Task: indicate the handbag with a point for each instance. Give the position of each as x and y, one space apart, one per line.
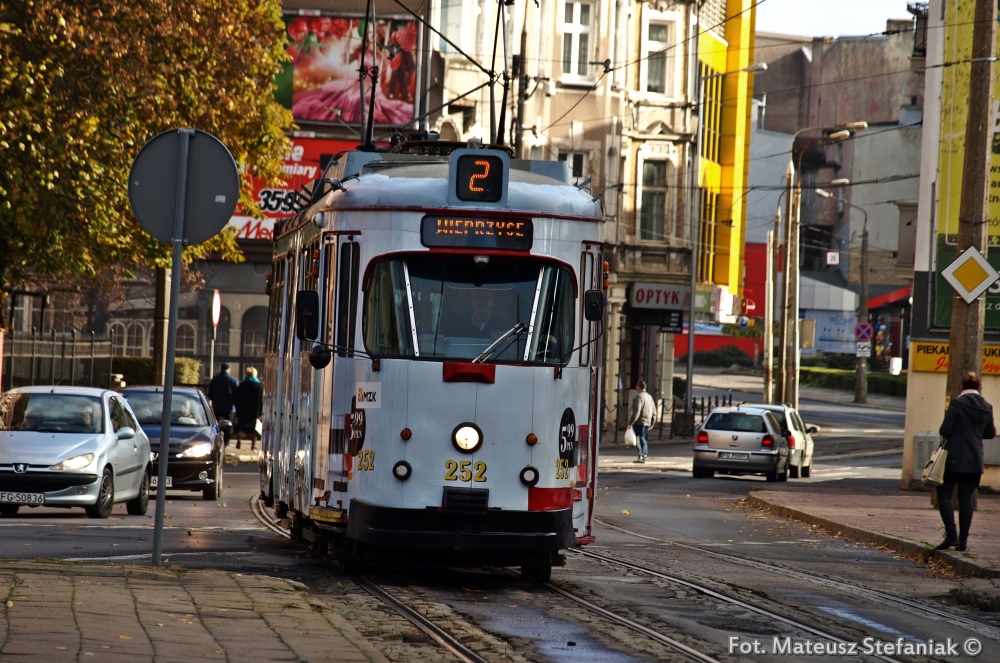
629 437
933 474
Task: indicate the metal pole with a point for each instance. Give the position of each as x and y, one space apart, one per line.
966 337
695 232
92 359
793 300
211 355
769 322
861 372
168 385
786 281
52 357
72 366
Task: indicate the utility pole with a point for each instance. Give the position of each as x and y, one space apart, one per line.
522 87
783 382
769 322
160 325
967 319
861 373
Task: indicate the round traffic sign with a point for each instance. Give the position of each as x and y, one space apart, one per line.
212 185
743 321
216 308
863 332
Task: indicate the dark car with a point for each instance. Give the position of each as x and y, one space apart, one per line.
197 441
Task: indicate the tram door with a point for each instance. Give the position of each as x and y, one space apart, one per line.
589 358
288 377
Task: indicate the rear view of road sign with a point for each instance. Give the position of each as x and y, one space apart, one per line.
970 274
864 349
863 332
183 189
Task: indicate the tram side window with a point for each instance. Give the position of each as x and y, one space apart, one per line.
386 324
552 340
347 297
275 311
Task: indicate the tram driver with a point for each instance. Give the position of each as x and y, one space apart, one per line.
481 318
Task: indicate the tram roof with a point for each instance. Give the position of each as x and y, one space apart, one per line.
426 185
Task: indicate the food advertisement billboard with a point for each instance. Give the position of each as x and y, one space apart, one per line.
321 83
305 162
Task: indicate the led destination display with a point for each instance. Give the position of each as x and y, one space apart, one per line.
476 232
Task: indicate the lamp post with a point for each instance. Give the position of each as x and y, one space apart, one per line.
861 371
696 217
216 314
790 320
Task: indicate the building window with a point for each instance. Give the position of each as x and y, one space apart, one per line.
254 330
712 108
185 339
577 18
117 333
660 58
579 165
134 340
652 215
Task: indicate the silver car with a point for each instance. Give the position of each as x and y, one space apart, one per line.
71 447
742 440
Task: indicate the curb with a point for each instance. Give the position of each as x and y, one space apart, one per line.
923 552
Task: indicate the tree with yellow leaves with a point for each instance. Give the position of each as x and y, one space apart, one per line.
84 84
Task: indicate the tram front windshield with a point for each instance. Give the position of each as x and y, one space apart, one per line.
461 307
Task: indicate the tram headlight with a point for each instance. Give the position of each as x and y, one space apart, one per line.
529 476
467 437
402 470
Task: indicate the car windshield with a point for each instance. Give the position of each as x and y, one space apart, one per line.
736 421
187 409
458 306
51 413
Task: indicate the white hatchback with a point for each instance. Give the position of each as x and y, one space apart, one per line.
71 447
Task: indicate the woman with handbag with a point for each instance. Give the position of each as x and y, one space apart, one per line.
968 421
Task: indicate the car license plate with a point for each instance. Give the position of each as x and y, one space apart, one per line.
22 498
155 481
730 455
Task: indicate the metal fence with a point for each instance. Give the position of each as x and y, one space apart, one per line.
66 358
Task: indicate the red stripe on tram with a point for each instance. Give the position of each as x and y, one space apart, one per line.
549 499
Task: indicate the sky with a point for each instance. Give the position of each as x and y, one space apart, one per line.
827 18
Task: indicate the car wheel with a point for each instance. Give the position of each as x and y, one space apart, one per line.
9 510
784 475
806 471
772 476
138 505
793 471
105 497
214 491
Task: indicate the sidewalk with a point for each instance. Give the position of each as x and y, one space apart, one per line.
877 511
718 378
71 612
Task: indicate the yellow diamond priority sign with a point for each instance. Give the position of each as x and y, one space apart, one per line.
970 274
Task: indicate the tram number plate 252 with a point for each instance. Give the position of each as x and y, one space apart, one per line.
366 460
562 468
464 471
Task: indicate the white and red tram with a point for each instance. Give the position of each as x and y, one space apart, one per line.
432 364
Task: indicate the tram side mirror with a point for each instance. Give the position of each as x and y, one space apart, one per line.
319 357
593 305
307 315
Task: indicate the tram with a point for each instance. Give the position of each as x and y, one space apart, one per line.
432 362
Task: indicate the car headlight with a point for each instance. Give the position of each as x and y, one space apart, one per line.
199 450
75 463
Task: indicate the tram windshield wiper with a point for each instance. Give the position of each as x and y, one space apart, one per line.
515 331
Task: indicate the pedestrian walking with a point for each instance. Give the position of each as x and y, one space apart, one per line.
249 403
641 415
221 391
968 421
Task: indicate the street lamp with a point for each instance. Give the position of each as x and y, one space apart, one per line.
790 320
696 217
861 371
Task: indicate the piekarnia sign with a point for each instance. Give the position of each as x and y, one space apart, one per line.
666 296
933 358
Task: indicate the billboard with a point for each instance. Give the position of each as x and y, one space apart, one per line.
958 23
306 161
321 82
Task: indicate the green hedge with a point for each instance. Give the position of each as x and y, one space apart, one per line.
845 362
832 378
722 358
138 371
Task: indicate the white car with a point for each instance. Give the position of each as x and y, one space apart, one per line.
71 447
801 445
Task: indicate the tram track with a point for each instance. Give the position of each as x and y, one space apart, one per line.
720 596
839 584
